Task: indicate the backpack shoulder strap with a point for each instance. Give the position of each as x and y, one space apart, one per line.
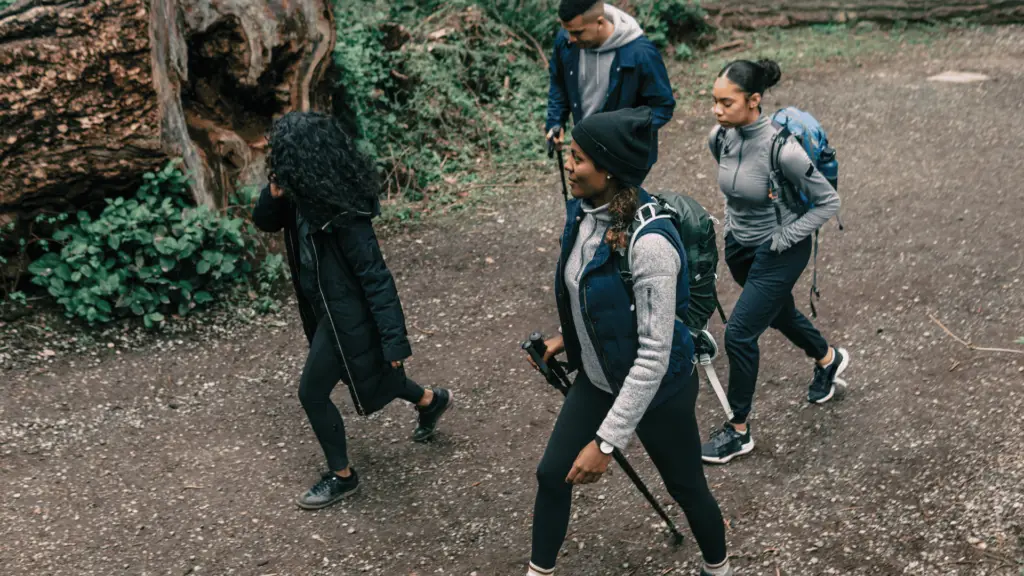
719 142
644 215
778 142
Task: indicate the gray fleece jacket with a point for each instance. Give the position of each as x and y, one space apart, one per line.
743 171
655 267
596 63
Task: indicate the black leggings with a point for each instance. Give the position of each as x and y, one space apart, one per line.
670 436
767 279
324 368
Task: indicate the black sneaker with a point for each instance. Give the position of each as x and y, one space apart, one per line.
430 415
823 385
330 489
726 444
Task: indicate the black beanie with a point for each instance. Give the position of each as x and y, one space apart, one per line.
619 141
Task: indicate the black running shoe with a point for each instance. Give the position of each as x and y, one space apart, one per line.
430 415
330 489
823 385
726 444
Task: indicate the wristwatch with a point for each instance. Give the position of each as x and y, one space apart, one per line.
605 447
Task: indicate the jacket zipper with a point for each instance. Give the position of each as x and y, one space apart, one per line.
327 312
593 338
739 161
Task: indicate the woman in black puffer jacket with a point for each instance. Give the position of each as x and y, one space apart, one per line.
323 194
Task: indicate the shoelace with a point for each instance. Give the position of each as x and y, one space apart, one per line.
324 485
722 436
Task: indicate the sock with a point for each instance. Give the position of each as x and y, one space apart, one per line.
431 406
722 569
535 571
833 350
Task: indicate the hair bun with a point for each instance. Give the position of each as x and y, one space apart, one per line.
772 72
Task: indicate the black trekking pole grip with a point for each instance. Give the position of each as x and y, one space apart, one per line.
551 141
535 347
552 372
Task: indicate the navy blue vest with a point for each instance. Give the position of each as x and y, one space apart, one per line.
608 309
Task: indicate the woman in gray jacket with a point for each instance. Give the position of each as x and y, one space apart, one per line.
767 246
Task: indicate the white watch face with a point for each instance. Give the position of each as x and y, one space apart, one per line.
607 448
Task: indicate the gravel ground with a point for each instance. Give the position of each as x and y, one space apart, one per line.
121 453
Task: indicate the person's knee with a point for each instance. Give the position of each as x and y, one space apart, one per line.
549 477
738 337
309 395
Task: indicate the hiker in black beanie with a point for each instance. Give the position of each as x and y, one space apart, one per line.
635 372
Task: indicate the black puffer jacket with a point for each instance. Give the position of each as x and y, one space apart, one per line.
357 296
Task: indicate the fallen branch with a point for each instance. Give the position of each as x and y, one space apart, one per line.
472 186
727 46
427 332
970 345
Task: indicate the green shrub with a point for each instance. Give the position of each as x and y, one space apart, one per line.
147 256
434 88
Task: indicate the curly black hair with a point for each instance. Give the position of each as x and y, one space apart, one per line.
319 167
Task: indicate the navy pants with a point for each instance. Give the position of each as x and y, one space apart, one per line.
767 279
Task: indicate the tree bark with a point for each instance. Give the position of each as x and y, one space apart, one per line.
93 93
749 14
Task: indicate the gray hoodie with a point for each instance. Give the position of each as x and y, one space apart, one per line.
596 63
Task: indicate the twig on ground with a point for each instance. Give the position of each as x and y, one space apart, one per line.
427 332
493 185
726 46
970 345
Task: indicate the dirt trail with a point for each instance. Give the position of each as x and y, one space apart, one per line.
184 456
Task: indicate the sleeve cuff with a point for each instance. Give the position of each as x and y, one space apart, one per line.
397 352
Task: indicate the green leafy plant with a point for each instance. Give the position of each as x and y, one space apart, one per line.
271 271
674 23
435 89
149 256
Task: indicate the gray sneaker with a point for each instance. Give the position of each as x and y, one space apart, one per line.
330 489
726 444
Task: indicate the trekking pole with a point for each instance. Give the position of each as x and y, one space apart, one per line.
561 164
556 376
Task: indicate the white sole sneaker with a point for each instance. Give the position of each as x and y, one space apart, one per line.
836 380
744 449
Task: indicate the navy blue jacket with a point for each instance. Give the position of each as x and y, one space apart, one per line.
607 307
638 78
354 291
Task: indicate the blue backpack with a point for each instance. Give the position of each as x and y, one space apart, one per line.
795 123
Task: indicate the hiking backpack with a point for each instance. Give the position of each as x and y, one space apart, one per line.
808 132
697 231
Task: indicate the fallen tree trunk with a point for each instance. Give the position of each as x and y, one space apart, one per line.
93 93
750 14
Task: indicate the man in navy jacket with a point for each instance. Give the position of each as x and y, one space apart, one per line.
603 62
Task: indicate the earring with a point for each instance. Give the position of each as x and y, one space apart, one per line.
608 176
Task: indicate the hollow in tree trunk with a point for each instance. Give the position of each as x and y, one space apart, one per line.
93 93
